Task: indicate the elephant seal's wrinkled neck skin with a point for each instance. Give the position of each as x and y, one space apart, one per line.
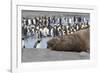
78 41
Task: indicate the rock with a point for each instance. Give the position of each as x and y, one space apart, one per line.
84 54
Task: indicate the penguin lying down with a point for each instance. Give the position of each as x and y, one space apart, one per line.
79 41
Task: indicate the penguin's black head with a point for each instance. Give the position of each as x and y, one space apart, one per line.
38 41
22 38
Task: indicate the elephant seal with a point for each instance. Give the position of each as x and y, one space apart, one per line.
78 41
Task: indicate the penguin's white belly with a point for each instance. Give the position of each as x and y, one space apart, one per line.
38 45
23 44
51 32
47 32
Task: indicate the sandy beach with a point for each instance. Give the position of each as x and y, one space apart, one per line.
41 55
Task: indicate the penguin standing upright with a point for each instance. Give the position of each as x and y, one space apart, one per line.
37 44
23 43
52 34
